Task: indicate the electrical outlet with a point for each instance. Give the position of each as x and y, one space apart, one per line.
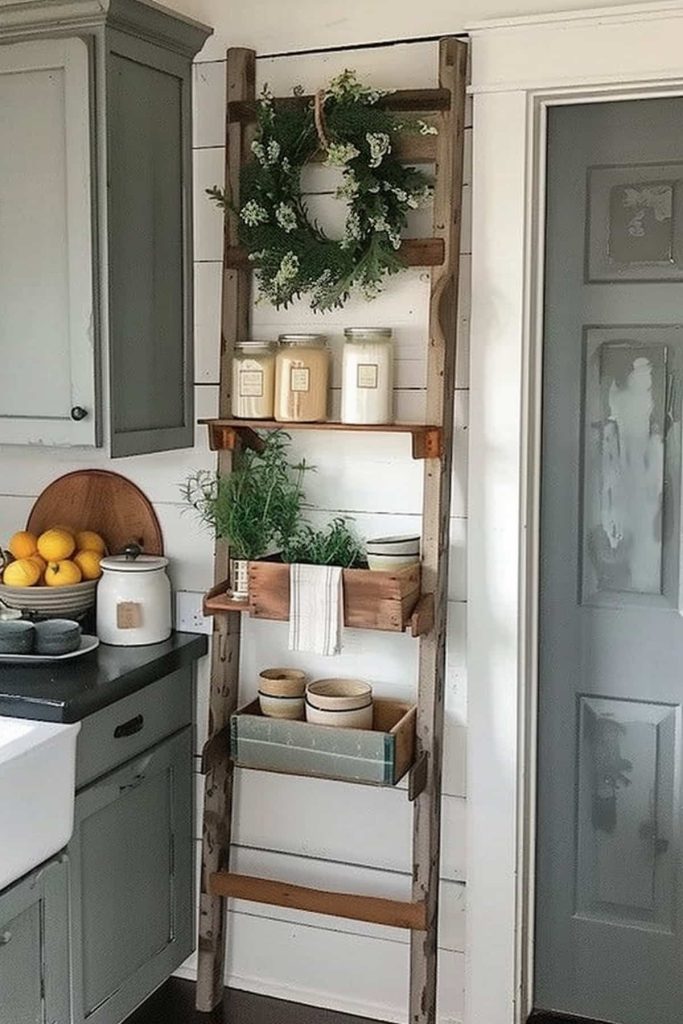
189 617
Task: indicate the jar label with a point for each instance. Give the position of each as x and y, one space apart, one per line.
128 615
299 378
251 383
367 375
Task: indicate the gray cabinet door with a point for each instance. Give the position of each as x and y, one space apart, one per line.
132 881
34 951
47 330
150 247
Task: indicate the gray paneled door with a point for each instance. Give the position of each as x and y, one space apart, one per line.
608 909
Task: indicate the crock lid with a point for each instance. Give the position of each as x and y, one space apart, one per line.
124 563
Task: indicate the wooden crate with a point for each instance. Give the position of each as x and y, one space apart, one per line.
372 600
379 756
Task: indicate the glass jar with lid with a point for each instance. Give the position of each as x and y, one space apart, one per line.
302 371
367 375
253 380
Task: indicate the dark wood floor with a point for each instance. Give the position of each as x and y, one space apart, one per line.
174 1004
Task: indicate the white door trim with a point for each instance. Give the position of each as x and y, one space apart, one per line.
519 68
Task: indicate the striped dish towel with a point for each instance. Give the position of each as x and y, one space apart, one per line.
316 608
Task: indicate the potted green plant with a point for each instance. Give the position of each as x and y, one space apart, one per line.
256 508
334 544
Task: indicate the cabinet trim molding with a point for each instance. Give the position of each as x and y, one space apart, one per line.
23 18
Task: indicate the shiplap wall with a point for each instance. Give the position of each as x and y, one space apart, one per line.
305 830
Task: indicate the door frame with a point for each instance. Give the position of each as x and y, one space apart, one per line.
520 67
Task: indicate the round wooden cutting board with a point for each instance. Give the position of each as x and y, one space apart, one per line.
108 503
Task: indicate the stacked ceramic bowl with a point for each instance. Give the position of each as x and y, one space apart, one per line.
50 639
344 703
281 693
387 553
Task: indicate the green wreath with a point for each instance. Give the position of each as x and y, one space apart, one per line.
291 254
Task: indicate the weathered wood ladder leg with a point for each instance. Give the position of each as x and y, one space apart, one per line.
241 79
435 528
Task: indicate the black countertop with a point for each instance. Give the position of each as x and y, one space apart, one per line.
72 690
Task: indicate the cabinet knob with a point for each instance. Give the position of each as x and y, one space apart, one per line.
78 413
5 938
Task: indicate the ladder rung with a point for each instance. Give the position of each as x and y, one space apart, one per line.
373 909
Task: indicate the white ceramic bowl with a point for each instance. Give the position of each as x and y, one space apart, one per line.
393 545
355 718
339 694
51 602
386 563
281 707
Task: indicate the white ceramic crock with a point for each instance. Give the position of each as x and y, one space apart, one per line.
134 601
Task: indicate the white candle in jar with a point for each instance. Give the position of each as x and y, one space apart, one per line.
367 375
253 380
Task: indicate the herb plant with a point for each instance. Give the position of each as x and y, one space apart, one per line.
334 544
255 508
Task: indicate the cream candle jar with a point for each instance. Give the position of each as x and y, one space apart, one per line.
253 380
302 370
367 375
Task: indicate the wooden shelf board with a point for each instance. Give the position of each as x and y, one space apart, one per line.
415 252
409 147
414 101
373 909
227 433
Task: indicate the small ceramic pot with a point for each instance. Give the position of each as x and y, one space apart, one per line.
344 703
17 637
239 577
57 636
281 693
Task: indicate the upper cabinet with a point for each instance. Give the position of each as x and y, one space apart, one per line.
95 225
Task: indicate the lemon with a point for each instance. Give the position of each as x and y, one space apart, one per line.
40 562
22 573
89 564
23 544
88 540
62 573
56 545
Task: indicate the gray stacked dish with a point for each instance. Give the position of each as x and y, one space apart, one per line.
16 637
50 639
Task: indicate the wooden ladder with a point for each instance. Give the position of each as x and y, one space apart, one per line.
445 105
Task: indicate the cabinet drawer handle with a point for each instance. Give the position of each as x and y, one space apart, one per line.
5 938
129 728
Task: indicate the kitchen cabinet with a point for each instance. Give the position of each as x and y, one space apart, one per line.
95 225
34 948
132 852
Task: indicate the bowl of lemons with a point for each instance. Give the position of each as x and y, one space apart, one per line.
53 575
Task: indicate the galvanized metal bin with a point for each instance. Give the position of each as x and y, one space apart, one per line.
379 756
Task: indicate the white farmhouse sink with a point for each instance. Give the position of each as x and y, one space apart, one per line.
37 792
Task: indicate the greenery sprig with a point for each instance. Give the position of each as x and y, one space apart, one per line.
257 507
291 254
